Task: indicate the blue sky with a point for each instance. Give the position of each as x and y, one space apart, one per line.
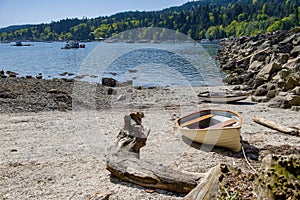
16 12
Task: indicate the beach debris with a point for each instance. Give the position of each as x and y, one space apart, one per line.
275 126
122 160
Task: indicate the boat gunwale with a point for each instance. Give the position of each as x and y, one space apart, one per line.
238 126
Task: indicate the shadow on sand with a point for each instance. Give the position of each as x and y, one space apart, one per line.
251 152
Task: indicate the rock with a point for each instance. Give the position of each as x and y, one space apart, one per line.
284 73
111 91
7 95
271 94
109 82
285 48
270 86
294 100
259 99
259 81
261 91
277 177
280 83
12 74
295 108
256 65
260 55
268 70
288 39
237 87
295 51
296 41
229 65
70 80
39 76
63 74
279 102
283 94
296 90
283 58
291 83
293 64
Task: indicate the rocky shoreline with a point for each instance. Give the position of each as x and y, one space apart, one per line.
267 64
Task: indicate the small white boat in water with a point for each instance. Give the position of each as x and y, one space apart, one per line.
222 97
213 127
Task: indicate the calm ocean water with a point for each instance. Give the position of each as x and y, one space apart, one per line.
146 64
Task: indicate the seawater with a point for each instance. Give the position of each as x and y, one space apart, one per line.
164 64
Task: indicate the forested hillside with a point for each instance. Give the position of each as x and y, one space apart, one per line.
211 19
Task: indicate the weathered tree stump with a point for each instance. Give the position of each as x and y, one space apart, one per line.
123 162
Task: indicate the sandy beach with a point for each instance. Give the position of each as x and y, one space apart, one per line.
60 153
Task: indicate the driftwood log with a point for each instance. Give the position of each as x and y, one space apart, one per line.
276 126
122 160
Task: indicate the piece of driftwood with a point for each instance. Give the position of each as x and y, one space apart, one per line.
207 189
122 160
275 126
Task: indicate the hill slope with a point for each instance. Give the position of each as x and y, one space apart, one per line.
210 19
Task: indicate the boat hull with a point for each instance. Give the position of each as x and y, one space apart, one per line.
219 99
228 137
222 97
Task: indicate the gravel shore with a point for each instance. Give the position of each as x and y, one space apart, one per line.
54 137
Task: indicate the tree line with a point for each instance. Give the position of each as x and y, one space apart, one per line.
211 19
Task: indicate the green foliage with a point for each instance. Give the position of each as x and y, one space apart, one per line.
198 19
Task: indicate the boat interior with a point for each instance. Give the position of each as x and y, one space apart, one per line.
209 120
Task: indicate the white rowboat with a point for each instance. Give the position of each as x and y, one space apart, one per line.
213 127
222 97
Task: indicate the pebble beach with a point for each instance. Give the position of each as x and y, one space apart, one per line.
53 142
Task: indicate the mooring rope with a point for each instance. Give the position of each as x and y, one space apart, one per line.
244 153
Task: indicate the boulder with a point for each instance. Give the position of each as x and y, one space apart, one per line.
39 76
261 91
12 74
268 70
283 58
256 65
285 48
295 108
288 39
296 90
260 99
294 100
296 41
259 55
291 83
293 64
284 73
271 94
270 86
258 81
111 91
109 82
295 51
279 102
